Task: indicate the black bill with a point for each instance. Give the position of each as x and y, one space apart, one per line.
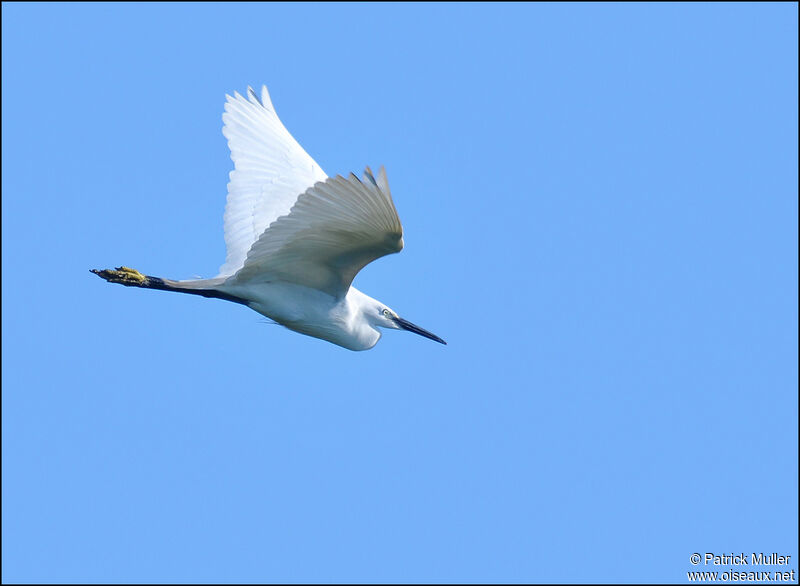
407 325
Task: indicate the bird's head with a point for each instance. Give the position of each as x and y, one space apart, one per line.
382 316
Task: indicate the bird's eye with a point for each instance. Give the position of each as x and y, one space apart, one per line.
386 312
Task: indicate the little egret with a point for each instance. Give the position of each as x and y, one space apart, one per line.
295 237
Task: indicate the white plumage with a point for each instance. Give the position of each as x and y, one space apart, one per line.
271 171
296 238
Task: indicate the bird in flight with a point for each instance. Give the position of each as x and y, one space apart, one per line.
295 237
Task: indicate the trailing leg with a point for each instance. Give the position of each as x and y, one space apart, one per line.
133 278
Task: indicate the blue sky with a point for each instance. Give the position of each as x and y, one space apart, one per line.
600 212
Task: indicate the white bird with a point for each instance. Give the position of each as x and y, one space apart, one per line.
295 237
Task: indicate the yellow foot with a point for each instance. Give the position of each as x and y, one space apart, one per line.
123 276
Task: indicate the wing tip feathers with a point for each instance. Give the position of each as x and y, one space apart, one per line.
265 101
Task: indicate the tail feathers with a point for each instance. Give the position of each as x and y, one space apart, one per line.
133 278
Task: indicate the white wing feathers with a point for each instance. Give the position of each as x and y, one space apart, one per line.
333 230
271 171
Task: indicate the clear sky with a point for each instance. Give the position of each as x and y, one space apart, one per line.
600 212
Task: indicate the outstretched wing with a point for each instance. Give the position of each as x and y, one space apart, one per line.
333 230
271 171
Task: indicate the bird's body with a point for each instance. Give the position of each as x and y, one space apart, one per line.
295 238
315 313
